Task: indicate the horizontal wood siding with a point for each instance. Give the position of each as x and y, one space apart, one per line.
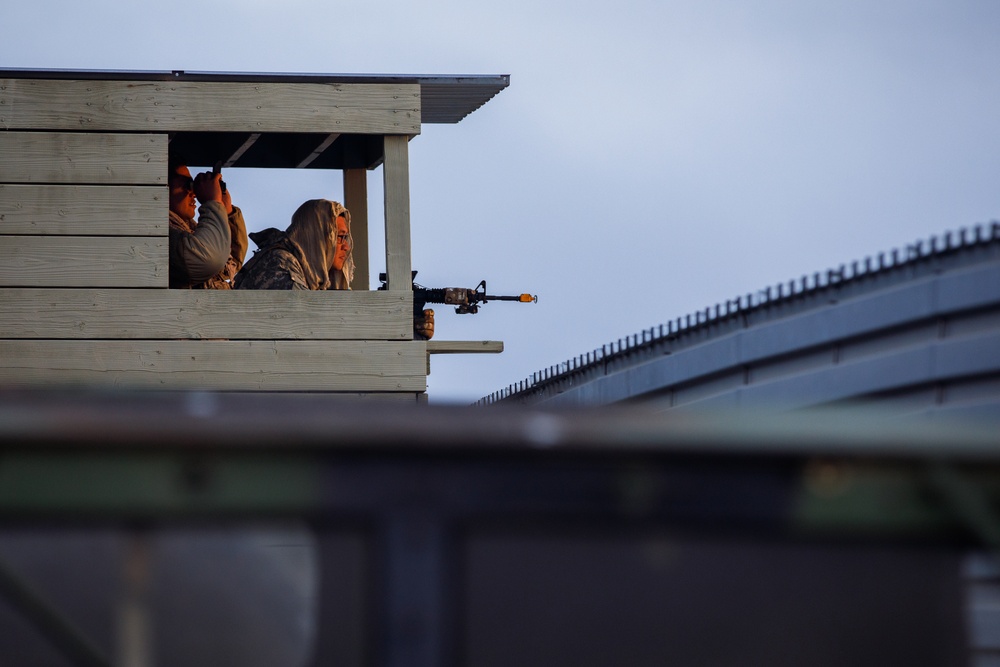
193 106
83 210
95 158
235 314
84 261
351 366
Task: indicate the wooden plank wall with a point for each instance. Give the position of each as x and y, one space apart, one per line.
61 224
213 340
84 254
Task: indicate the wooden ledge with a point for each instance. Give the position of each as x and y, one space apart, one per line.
464 346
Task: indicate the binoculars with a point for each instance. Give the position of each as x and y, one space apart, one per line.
217 169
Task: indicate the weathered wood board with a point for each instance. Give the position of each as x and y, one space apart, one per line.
83 261
203 106
201 314
351 366
83 157
83 210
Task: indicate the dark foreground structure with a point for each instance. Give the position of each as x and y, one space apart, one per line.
912 335
446 536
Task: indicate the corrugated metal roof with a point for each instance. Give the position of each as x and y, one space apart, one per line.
444 98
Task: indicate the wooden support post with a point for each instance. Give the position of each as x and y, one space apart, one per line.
356 201
396 180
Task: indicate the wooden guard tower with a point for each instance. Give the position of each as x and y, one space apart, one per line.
84 298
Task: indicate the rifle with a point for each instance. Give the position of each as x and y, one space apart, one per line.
464 299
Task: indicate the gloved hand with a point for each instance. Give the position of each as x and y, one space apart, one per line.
423 325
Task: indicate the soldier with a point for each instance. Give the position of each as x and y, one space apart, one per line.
314 253
207 253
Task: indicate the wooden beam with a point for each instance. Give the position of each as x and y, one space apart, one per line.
83 157
209 106
351 366
396 190
331 401
83 210
464 346
83 261
356 201
323 145
244 147
193 314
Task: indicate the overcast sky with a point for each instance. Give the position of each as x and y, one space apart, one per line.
649 159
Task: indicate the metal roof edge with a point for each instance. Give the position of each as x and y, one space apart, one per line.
503 80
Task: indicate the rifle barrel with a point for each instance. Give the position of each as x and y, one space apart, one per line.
523 298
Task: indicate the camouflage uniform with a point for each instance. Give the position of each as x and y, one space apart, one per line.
302 256
274 266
